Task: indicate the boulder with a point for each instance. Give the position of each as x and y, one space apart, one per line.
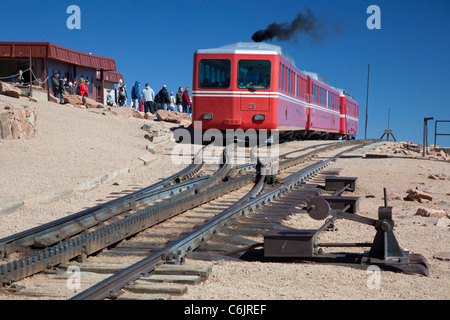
149 116
426 212
91 103
170 116
8 89
126 112
18 123
73 99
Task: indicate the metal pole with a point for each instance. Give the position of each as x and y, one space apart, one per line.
31 77
367 100
389 117
425 131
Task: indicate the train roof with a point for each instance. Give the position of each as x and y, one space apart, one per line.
250 48
344 93
317 77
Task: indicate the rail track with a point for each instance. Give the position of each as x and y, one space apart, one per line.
185 215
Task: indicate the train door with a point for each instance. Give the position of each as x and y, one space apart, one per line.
343 106
309 94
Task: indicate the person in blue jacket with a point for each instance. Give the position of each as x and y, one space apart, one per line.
135 95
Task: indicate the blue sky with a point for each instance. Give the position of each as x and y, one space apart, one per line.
154 42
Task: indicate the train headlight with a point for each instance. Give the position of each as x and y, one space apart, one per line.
207 116
259 117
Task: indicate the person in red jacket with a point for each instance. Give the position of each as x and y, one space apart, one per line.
84 88
186 101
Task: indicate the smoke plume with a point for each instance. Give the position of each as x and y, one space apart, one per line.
304 23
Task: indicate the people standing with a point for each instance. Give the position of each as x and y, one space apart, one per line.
62 89
171 102
123 95
186 101
135 96
164 97
147 97
55 85
179 100
83 87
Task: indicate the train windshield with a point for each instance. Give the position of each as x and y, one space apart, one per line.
214 73
254 74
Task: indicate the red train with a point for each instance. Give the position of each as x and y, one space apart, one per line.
258 86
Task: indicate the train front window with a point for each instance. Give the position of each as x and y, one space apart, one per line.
214 73
254 74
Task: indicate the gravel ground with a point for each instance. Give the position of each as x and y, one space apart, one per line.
74 146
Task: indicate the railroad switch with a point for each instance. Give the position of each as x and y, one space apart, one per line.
302 245
271 166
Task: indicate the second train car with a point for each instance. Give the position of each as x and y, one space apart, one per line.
258 86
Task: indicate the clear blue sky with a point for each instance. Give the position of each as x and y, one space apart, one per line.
154 42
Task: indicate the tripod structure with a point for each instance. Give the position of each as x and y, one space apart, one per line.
388 132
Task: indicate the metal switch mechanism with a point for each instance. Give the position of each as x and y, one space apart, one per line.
384 252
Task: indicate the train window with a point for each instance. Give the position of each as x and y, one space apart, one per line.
214 73
254 74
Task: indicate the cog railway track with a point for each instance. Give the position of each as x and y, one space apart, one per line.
205 212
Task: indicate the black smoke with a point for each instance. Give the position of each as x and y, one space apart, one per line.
304 23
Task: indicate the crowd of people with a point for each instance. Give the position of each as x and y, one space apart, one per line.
60 86
151 102
163 100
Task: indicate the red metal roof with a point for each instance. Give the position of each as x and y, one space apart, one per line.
112 76
55 52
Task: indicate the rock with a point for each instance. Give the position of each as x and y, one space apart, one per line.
170 116
444 256
426 212
443 222
17 123
54 99
8 89
149 116
152 127
184 123
416 195
412 147
126 112
73 99
440 176
91 103
151 148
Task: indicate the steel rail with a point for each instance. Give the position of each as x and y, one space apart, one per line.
97 240
111 286
153 192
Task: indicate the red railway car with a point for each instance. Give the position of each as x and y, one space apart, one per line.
258 86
